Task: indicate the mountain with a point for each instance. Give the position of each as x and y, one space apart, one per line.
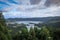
44 19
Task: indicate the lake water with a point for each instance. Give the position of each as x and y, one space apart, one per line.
30 23
26 22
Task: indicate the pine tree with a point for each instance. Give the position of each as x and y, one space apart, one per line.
32 34
4 34
2 20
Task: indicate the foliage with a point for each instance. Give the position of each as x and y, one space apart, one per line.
4 34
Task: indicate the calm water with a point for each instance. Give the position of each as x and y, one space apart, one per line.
26 22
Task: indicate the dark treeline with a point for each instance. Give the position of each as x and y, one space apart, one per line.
43 33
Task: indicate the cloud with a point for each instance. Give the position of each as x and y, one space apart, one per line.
24 10
51 11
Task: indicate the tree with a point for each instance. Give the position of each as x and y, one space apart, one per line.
2 20
37 32
4 34
32 34
22 35
45 33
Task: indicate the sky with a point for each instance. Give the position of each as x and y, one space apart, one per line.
28 9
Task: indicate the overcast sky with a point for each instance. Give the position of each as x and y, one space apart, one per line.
28 8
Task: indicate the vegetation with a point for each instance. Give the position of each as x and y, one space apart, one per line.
4 34
43 33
